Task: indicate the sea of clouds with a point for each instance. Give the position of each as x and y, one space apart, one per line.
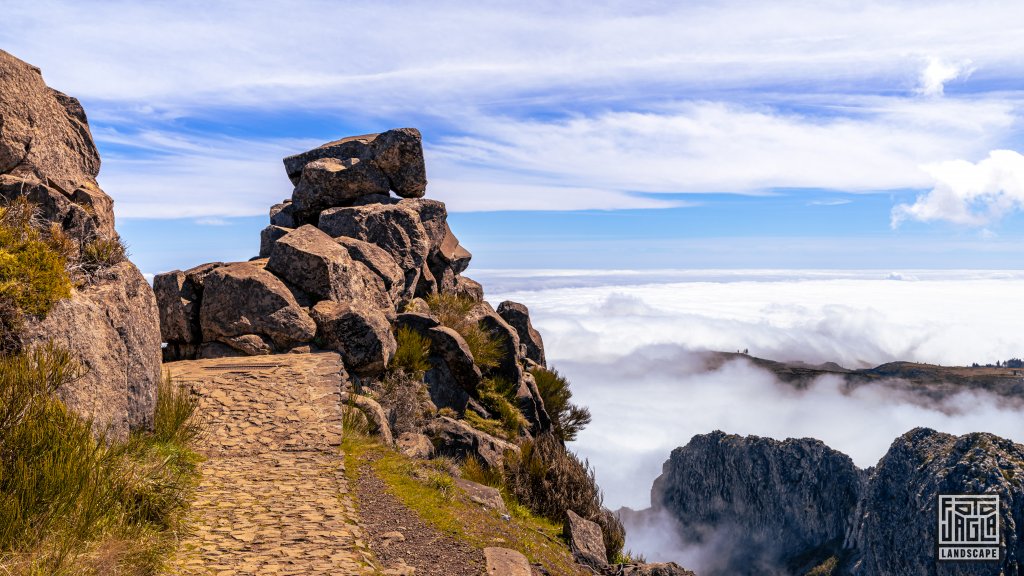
630 342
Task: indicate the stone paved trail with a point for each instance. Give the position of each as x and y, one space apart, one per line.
273 497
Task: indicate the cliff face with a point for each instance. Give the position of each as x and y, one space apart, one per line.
783 507
897 522
760 506
110 321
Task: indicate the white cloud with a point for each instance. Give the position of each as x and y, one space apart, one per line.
938 72
972 194
627 346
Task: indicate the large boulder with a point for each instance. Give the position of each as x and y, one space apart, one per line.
782 506
899 514
585 539
380 263
112 326
315 263
330 182
518 316
43 132
242 298
396 230
360 334
179 296
456 439
397 153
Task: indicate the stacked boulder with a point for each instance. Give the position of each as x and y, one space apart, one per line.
109 322
342 266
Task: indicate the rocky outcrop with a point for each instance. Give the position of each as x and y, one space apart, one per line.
110 321
360 334
897 522
457 439
766 506
518 316
801 505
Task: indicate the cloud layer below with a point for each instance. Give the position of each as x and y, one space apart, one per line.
629 351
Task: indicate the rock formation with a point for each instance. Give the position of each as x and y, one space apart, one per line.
47 155
756 505
342 266
778 504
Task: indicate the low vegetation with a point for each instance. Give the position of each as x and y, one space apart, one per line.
453 310
428 488
76 502
412 353
567 419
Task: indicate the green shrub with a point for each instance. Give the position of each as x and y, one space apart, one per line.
567 419
452 310
498 396
33 273
549 480
102 253
175 418
72 500
412 352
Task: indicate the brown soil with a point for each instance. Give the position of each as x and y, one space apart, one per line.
429 551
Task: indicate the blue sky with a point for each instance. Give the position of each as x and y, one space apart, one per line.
588 135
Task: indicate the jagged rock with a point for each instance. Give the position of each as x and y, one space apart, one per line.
360 334
43 132
269 236
509 367
780 506
330 182
585 539
453 350
397 153
60 208
283 215
469 288
898 516
241 298
113 328
457 439
312 261
396 230
518 316
485 496
531 404
506 562
651 569
374 413
415 445
379 262
178 309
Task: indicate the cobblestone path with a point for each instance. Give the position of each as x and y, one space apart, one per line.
273 497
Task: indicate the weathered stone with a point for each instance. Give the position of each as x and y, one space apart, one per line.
448 345
176 301
418 306
457 439
374 414
485 496
469 288
652 569
330 182
397 153
98 206
250 344
43 131
242 299
175 351
531 404
585 540
113 327
395 229
312 261
415 445
379 262
283 215
506 562
360 334
416 321
56 207
269 236
507 339
518 316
